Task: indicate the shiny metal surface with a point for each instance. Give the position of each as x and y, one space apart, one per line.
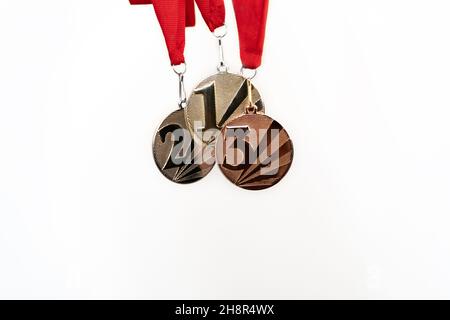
254 151
192 161
217 100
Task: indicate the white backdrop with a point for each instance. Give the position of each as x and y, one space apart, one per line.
362 87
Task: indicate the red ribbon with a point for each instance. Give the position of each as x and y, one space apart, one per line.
213 12
190 13
171 15
251 17
190 10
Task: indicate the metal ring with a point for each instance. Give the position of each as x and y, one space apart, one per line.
179 69
251 73
222 68
220 32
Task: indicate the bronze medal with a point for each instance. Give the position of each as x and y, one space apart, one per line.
217 100
254 151
179 158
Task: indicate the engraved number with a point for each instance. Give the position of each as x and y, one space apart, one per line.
209 98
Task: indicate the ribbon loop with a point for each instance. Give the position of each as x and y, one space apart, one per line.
173 16
251 17
213 12
190 10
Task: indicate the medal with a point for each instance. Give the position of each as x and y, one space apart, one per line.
253 151
176 154
185 161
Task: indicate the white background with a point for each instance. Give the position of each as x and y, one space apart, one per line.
363 88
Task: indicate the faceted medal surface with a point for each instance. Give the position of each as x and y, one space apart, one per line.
254 151
177 155
217 100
